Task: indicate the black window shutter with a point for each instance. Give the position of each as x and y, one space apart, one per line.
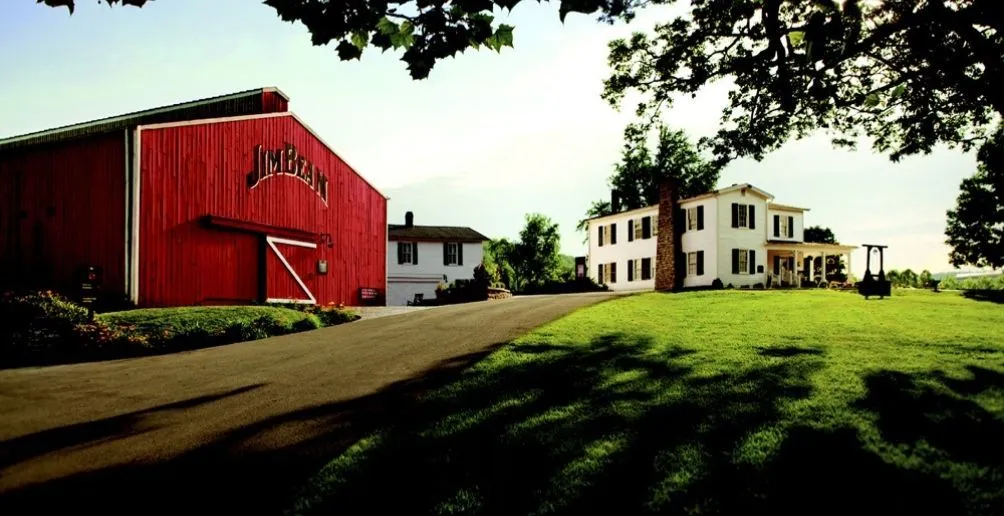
630 230
735 261
791 227
735 215
446 258
700 263
646 268
400 253
630 270
752 261
646 227
613 272
414 253
777 264
700 218
599 274
613 234
751 220
601 236
777 225
460 253
682 259
681 220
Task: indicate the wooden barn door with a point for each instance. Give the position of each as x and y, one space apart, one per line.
289 270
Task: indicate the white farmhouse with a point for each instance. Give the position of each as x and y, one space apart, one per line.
736 234
419 258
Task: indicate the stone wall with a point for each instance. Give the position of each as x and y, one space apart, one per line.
668 246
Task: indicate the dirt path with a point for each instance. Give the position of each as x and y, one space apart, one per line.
232 428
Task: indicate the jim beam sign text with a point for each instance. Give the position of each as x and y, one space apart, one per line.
286 161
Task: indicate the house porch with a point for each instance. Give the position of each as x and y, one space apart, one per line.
789 264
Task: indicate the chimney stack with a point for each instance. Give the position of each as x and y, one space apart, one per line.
668 248
615 201
409 219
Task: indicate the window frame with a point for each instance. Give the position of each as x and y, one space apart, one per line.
453 259
692 264
744 261
692 219
783 230
407 253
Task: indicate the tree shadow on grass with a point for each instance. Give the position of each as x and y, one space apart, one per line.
993 296
618 426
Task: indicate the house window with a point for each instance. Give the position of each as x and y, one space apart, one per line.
407 252
638 270
452 253
692 264
609 272
743 215
692 219
784 225
647 269
638 233
654 223
744 261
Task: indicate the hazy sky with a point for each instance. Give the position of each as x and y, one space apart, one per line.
487 138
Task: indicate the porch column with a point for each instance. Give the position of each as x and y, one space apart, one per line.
848 266
824 268
794 269
812 269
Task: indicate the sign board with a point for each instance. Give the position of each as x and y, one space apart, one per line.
89 287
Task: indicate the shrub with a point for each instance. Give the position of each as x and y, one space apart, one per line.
717 284
565 287
758 286
731 286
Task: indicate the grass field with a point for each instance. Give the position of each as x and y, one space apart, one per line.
773 402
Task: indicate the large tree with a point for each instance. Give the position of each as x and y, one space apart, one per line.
975 228
535 257
638 175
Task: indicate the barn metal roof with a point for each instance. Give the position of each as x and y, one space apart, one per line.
234 104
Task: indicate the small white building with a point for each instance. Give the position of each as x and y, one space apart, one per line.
419 258
736 234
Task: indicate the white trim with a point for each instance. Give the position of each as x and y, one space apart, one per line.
269 115
271 241
136 180
273 89
201 121
134 114
126 228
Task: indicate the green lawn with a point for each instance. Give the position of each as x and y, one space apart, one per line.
762 402
213 319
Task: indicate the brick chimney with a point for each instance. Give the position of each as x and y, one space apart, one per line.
668 246
615 201
409 219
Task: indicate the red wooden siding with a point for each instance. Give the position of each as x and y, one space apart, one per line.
273 102
192 171
62 206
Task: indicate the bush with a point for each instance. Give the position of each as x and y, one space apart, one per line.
717 284
44 327
758 286
322 316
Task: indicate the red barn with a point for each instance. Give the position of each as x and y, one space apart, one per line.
226 200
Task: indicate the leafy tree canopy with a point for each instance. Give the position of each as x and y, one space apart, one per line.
535 256
907 73
975 227
819 234
637 177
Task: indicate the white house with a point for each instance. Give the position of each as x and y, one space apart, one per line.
736 234
419 258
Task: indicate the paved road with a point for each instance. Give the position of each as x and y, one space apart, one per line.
232 428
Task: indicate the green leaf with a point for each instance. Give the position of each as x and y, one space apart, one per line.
899 91
872 100
796 37
503 35
407 27
347 51
402 40
360 39
387 27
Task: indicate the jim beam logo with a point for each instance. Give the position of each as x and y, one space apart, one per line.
286 161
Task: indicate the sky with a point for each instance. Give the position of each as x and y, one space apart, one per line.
486 139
